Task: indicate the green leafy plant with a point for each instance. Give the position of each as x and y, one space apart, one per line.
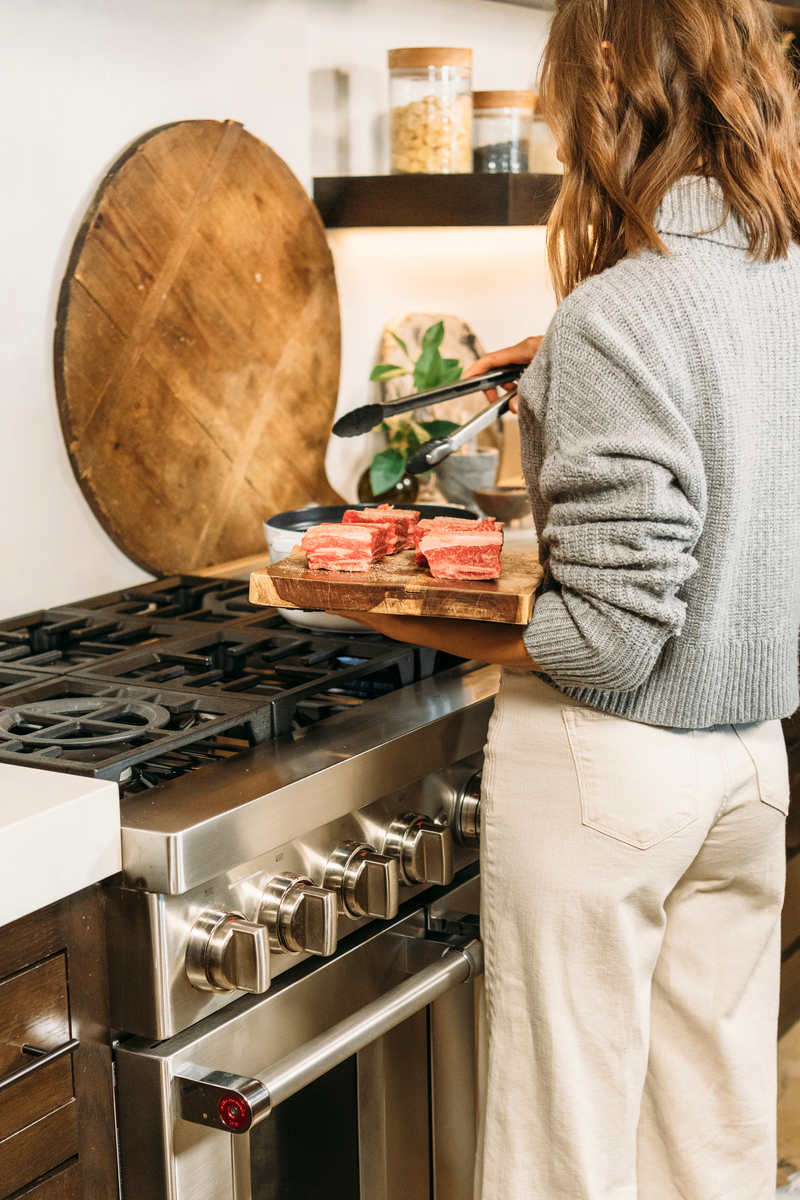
405 434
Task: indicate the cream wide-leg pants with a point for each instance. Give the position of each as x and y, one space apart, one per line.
632 882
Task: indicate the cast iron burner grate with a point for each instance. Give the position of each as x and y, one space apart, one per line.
145 775
11 679
280 669
192 598
90 728
60 641
147 684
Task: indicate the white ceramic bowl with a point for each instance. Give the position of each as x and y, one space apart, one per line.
281 542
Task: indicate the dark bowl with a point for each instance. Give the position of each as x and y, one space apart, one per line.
505 504
300 519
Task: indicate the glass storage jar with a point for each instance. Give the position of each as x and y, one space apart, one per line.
501 132
544 159
431 103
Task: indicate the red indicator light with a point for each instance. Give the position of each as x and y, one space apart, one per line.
234 1113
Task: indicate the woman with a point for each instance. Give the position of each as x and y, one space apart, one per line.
636 783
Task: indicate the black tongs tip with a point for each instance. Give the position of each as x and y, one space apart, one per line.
363 419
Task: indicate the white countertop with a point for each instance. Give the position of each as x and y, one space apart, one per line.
58 833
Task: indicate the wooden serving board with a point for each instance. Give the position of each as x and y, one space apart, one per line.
197 347
397 585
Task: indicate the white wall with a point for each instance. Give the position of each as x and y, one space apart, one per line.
79 79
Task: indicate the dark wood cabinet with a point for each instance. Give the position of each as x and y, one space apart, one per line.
57 1130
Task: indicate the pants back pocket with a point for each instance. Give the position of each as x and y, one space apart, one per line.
638 783
764 742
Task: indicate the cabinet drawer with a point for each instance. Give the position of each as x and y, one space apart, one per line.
34 1011
38 1148
60 1185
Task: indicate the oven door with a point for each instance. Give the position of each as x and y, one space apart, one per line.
353 1078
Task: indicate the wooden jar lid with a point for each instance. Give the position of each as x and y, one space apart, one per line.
526 100
430 56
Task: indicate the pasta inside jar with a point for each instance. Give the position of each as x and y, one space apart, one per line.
431 110
432 136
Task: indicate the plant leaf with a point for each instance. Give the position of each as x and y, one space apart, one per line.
412 441
433 336
387 371
386 470
401 344
439 429
427 369
430 369
451 374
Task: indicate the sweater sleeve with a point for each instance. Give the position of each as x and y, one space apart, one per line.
619 490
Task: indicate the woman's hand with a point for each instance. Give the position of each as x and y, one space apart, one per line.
523 352
485 641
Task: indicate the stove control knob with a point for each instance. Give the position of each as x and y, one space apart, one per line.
467 814
299 917
365 882
424 850
226 953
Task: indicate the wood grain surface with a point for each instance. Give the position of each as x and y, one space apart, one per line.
380 200
197 347
75 926
398 586
34 1010
38 1148
63 1183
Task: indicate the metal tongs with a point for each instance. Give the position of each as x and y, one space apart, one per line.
431 453
361 420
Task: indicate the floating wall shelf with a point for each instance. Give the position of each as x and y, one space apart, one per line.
387 200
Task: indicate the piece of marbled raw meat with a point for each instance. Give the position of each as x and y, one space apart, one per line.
463 553
352 548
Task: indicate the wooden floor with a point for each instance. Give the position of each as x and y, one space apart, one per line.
788 1104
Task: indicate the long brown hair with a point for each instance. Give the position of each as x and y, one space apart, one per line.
700 86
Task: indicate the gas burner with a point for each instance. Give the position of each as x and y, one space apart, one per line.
191 598
91 728
144 776
78 722
281 669
60 641
144 685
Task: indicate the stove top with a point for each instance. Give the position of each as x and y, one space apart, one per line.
147 684
60 641
192 598
94 728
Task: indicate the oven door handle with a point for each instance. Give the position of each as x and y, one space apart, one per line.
236 1103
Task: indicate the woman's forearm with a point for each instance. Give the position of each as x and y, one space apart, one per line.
486 641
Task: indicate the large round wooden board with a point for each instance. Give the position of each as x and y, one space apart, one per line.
197 347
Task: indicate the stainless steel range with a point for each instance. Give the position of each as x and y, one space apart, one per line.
298 905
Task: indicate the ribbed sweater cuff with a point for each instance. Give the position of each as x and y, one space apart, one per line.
591 657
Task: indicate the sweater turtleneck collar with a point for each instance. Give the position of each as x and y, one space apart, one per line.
696 207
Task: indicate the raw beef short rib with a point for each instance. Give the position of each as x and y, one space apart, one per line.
435 524
462 553
344 547
397 522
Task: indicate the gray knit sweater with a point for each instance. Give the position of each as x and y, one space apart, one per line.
661 443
